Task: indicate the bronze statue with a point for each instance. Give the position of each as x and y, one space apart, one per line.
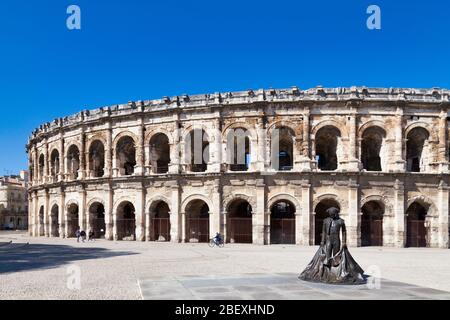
333 263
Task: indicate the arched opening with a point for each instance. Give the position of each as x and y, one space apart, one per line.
126 222
197 151
72 220
41 168
97 220
126 156
320 215
97 159
197 221
417 141
372 224
54 168
416 231
326 148
238 148
371 148
282 223
240 226
159 153
73 161
284 156
41 221
160 222
54 220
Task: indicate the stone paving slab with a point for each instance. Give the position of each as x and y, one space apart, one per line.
275 287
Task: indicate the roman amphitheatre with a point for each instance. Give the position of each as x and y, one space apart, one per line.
131 172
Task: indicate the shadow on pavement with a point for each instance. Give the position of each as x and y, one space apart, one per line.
41 256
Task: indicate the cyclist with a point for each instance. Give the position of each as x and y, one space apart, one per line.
218 238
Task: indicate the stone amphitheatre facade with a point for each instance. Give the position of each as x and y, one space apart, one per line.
127 171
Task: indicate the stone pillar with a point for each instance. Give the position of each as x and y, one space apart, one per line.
82 210
267 227
399 162
61 215
30 215
140 215
34 225
46 164
140 151
183 227
305 163
214 219
261 163
442 156
148 226
303 222
109 232
353 162
177 219
108 152
399 214
215 147
223 226
36 166
61 174
443 222
353 218
260 225
82 170
46 214
175 150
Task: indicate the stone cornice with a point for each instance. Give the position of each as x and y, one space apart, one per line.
349 96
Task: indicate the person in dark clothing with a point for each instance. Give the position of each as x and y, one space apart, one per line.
78 234
91 235
83 235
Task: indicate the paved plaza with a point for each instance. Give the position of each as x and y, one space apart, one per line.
39 268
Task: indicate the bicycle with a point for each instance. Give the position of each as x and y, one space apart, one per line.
213 243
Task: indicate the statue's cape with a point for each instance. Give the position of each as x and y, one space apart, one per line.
343 269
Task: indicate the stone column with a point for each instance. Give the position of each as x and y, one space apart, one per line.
399 162
354 218
140 214
61 215
399 214
61 174
223 226
46 164
109 232
261 163
260 225
214 220
175 150
353 162
108 152
46 214
30 215
443 222
303 222
148 226
183 227
36 166
442 157
82 170
305 163
215 146
82 210
140 150
34 225
177 219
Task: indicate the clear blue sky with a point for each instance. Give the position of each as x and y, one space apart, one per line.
133 50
